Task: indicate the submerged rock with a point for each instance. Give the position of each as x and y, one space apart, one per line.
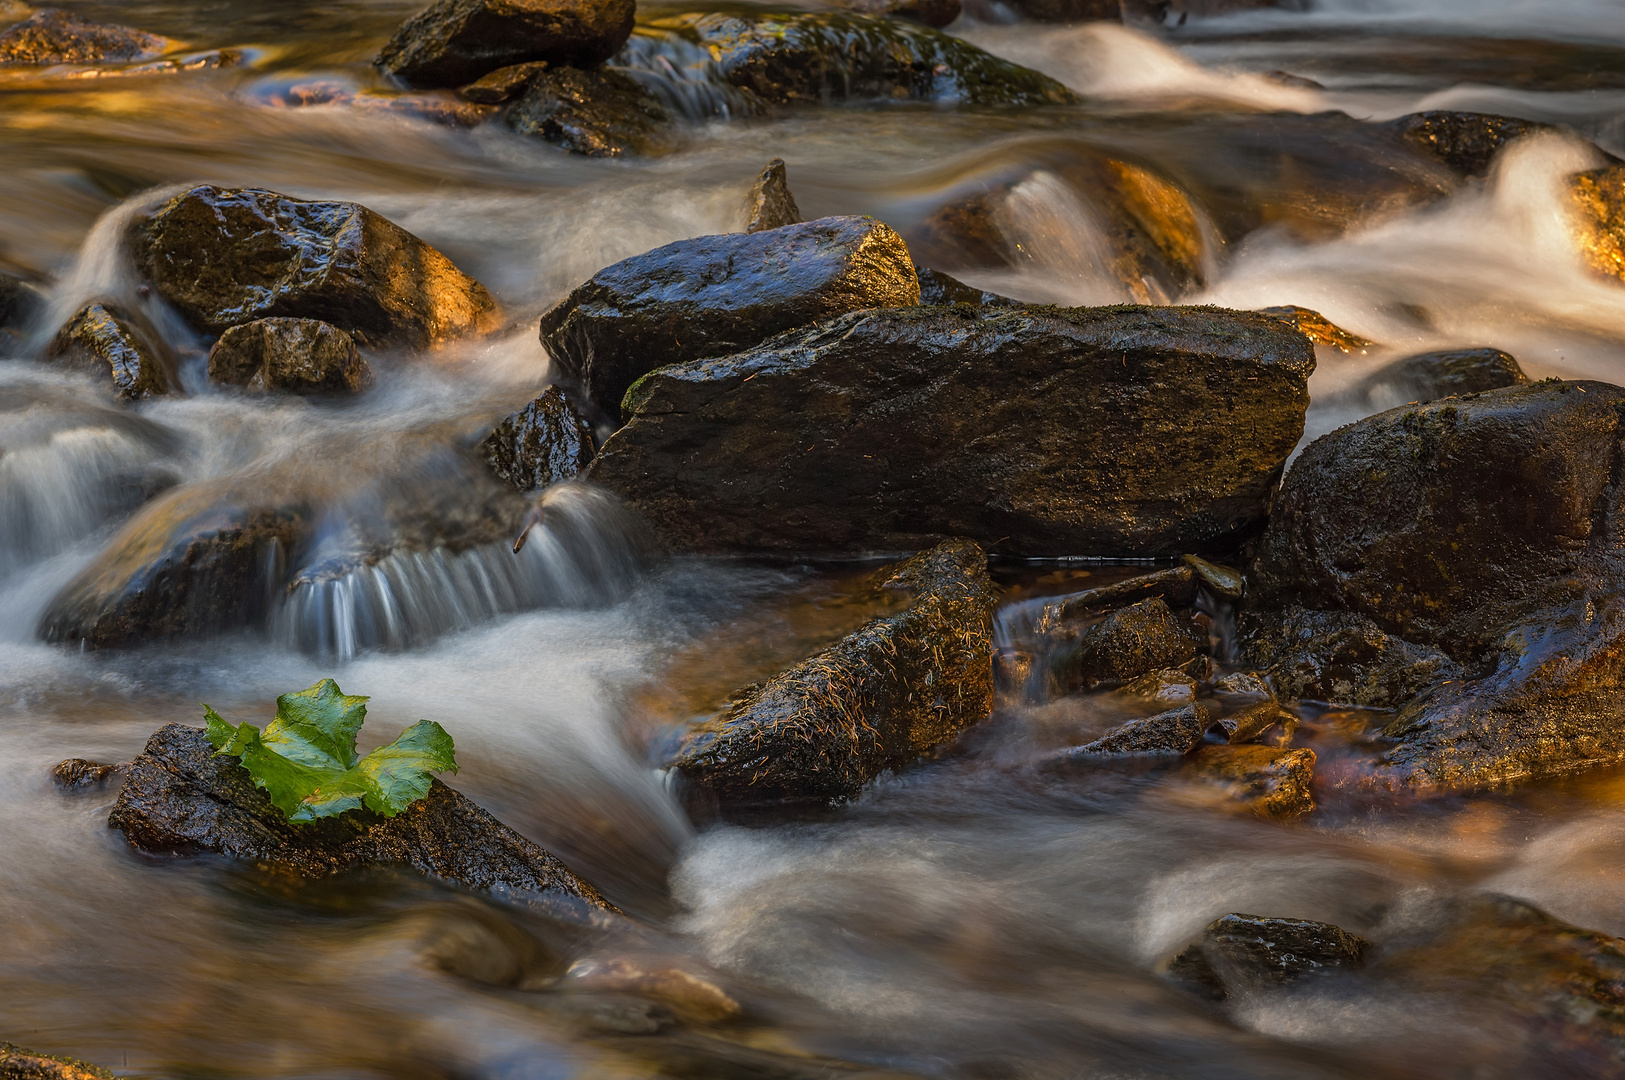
1165 686
812 58
1251 721
937 13
546 442
1485 529
601 112
1597 201
1271 781
1449 373
108 339
20 304
1240 953
1176 731
1126 644
715 295
302 356
1049 431
224 256
878 698
79 774
53 36
188 564
1055 11
19 1064
453 42
180 797
1464 142
771 206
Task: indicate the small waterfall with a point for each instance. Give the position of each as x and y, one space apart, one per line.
67 467
588 552
1063 242
682 73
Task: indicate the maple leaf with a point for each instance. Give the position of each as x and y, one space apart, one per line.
305 759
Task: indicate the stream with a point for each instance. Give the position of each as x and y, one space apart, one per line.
973 917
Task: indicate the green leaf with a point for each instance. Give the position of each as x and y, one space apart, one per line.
305 759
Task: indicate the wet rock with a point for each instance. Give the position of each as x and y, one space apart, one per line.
937 13
302 356
181 797
1175 586
690 997
1249 722
1598 204
224 256
1271 781
1485 528
1450 373
19 1064
503 84
1152 230
1175 12
188 564
52 36
546 442
601 112
1176 731
78 774
1464 142
1049 431
1167 687
106 338
771 206
20 304
1128 643
453 42
937 288
1242 953
1317 328
715 295
1244 686
812 58
1224 581
1343 658
875 700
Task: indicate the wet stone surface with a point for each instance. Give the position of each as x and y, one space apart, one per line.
546 442
453 42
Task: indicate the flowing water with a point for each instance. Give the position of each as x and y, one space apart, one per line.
975 916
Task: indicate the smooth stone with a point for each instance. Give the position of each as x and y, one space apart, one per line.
1249 722
503 84
602 112
875 700
181 797
771 206
1167 687
301 356
1126 644
716 295
224 256
1049 431
1176 731
109 339
1225 581
454 42
1447 373
938 288
546 442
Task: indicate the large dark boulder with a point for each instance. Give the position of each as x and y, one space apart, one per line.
117 342
301 356
602 112
224 256
1484 528
815 57
546 442
1464 142
715 295
453 42
53 36
1049 431
875 700
180 797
